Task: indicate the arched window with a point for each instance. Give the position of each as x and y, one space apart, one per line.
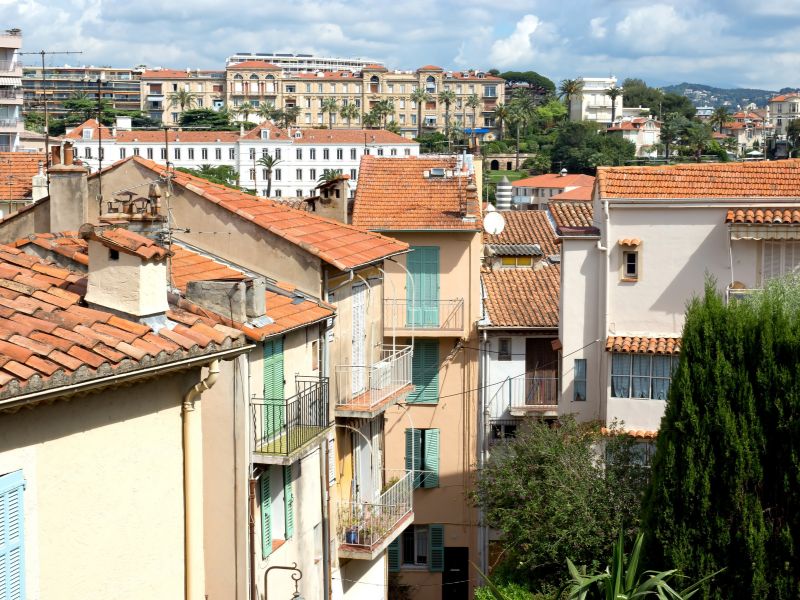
254 84
430 85
238 83
495 165
374 84
270 84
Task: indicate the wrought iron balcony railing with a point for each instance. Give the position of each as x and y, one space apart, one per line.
365 387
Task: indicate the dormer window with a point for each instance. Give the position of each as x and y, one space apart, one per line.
87 133
265 134
113 254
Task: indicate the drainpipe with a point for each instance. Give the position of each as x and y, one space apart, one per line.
324 500
603 326
193 486
483 530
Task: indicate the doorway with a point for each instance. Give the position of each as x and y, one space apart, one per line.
455 579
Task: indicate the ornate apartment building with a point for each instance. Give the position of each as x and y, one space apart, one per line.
10 90
161 86
259 82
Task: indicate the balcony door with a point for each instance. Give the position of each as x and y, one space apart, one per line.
359 354
422 286
274 403
541 371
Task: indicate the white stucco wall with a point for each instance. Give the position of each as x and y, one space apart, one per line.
497 393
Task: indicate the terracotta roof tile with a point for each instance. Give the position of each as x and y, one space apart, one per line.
764 216
583 192
573 217
254 64
759 179
555 180
525 227
644 345
351 136
127 241
522 297
17 170
394 194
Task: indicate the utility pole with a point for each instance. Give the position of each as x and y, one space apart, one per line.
44 53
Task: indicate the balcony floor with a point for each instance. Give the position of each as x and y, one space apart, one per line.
276 451
357 409
539 410
372 552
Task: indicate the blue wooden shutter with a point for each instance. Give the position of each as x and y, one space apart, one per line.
288 500
394 556
414 448
266 515
12 537
425 372
431 459
436 540
422 286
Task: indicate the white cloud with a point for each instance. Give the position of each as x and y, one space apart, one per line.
518 47
598 27
661 28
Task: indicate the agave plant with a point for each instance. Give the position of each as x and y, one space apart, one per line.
622 580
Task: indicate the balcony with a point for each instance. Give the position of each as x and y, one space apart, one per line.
524 396
11 94
366 391
366 528
737 294
11 67
429 318
283 430
11 124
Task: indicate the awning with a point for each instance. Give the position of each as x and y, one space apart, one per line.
764 232
16 81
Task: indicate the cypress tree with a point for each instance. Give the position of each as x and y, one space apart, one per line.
726 474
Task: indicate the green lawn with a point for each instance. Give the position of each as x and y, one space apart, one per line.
494 176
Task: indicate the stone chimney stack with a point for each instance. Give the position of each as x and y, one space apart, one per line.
39 184
69 192
333 200
241 301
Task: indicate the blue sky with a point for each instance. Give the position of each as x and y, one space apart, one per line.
728 43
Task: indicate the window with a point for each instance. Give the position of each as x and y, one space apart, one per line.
630 265
163 154
407 151
252 174
264 151
277 174
425 372
393 152
504 349
102 153
299 154
277 506
204 153
312 174
150 153
780 258
579 380
87 133
366 151
326 154
490 91
299 175
643 376
312 154
278 153
339 153
278 193
380 151
298 192
264 174
136 151
291 89
122 153
352 153
87 152
516 261
353 174
418 546
252 153
422 456
231 153
12 529
191 153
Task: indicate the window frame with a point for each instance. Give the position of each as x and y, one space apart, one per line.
580 379
504 354
629 371
630 258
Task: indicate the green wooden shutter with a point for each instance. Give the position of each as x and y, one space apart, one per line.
425 372
436 540
414 448
431 460
12 537
266 511
394 556
422 286
274 405
288 500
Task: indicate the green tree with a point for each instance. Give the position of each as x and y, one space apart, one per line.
724 489
420 96
447 97
719 117
540 84
349 112
222 174
793 133
265 111
614 92
329 175
289 116
501 114
383 109
473 102
269 163
182 99
567 89
579 148
244 110
433 142
520 111
551 113
672 129
330 106
679 104
551 497
205 117
697 139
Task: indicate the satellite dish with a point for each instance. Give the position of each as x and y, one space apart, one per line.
494 223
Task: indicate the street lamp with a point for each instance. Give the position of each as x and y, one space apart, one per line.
296 577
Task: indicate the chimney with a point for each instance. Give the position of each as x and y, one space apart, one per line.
333 199
39 184
471 204
127 272
241 301
69 192
503 194
123 124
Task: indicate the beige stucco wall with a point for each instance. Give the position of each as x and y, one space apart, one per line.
32 220
104 492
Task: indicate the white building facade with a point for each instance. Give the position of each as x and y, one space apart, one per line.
11 123
592 103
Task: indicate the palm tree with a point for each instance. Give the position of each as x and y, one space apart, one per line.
473 102
269 162
329 175
266 111
696 138
614 92
447 97
719 117
289 115
370 120
382 109
501 113
567 89
245 109
348 112
672 129
183 99
330 106
420 96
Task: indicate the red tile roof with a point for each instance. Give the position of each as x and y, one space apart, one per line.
351 136
525 227
77 133
48 340
394 195
275 132
784 97
555 180
430 68
146 137
573 217
759 216
760 179
522 297
472 76
254 65
374 67
644 345
177 74
129 242
640 434
65 243
583 192
343 246
17 170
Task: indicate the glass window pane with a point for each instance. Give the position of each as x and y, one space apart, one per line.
408 546
422 545
660 389
580 391
640 387
620 386
641 365
662 366
620 364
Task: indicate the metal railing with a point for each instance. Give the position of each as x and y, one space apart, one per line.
366 524
10 65
15 93
402 313
521 392
367 386
10 122
733 294
281 426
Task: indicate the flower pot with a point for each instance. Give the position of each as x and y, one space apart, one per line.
351 535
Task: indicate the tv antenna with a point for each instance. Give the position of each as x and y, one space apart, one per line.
44 53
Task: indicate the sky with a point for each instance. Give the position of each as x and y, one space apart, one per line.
727 43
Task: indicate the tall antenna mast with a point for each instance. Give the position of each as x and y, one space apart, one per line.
44 53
